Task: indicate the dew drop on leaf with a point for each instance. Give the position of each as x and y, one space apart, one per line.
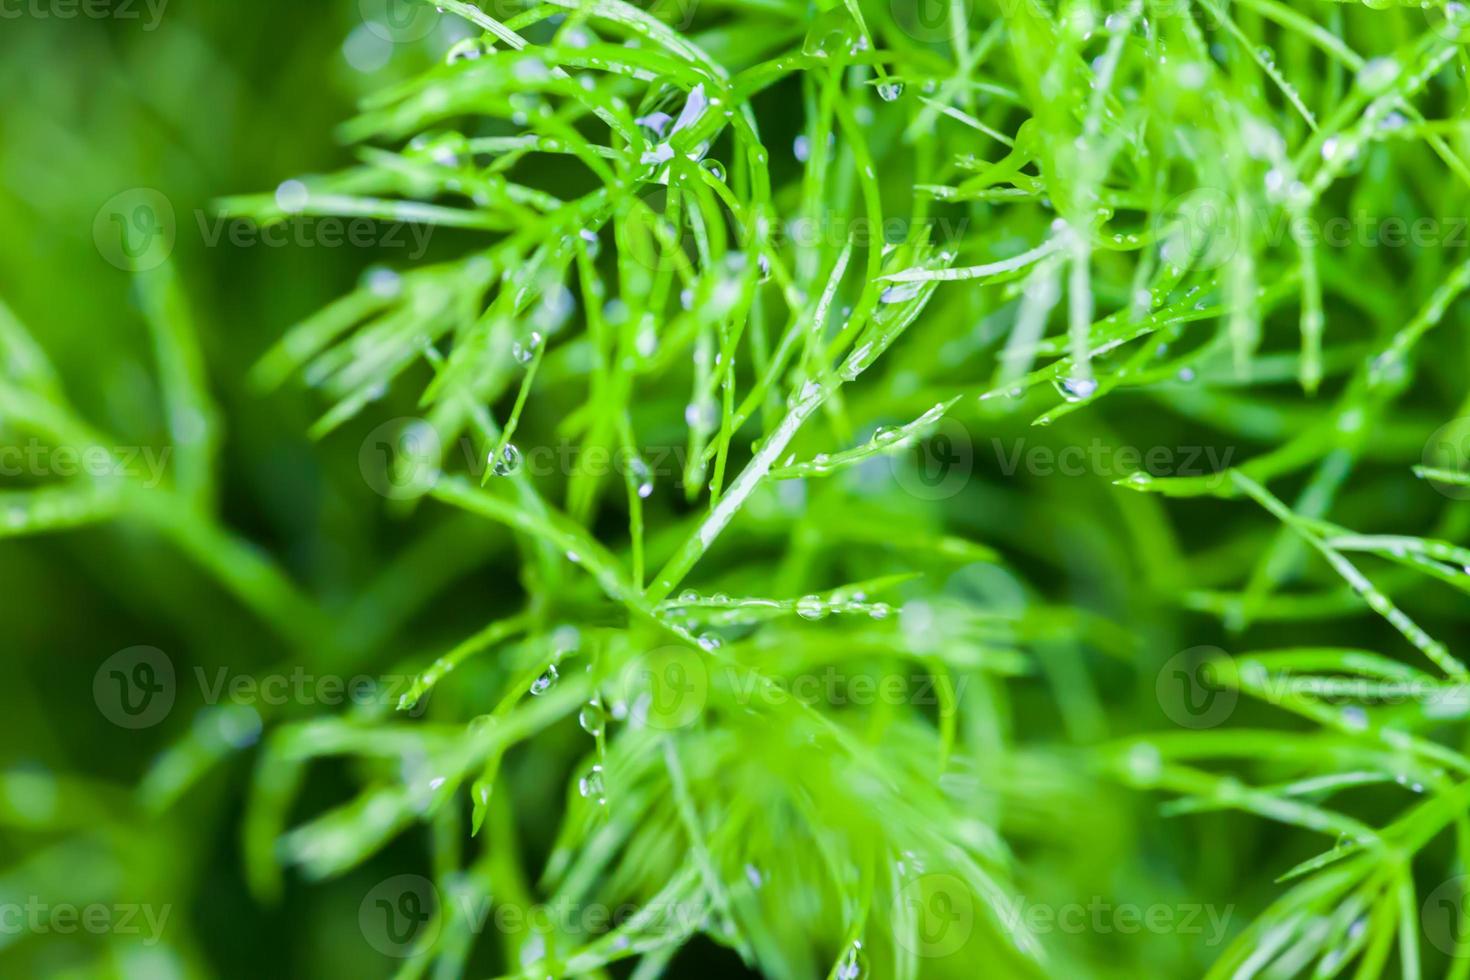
811 607
507 462
545 682
592 718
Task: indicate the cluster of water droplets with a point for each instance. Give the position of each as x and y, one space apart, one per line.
853 964
814 607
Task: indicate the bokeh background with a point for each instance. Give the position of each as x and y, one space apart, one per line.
192 101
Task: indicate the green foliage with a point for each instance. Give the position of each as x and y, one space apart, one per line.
770 285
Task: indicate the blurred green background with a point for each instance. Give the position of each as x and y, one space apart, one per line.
194 101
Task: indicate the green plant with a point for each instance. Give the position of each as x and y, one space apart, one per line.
835 689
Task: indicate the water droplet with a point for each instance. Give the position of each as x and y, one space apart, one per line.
1075 389
646 341
1393 121
544 683
382 281
715 168
831 32
530 69
851 967
709 641
469 49
507 462
291 196
592 718
555 307
811 607
801 148
642 477
1144 763
701 415
899 292
594 244
1377 74
1335 148
890 91
879 610
524 352
591 786
688 596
